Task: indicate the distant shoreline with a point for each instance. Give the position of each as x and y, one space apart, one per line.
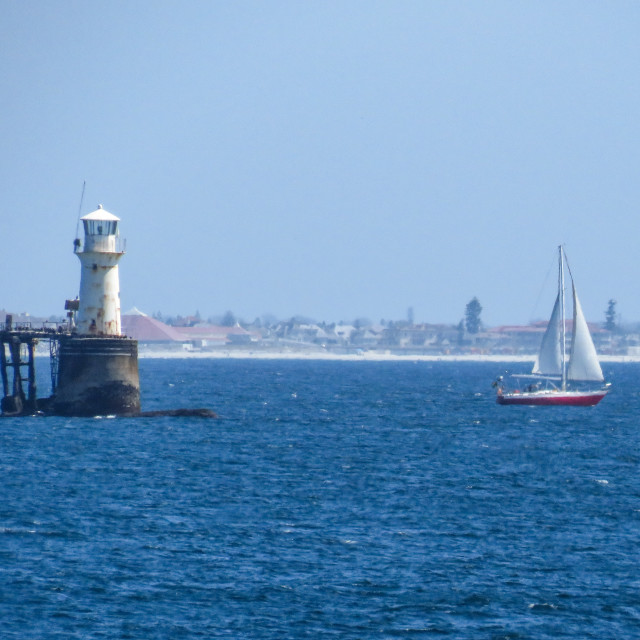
363 357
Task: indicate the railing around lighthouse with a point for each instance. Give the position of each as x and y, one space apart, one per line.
101 244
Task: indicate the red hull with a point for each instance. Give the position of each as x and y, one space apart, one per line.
554 398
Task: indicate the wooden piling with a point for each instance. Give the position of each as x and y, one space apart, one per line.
14 348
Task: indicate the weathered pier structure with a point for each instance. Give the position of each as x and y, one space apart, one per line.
94 368
17 365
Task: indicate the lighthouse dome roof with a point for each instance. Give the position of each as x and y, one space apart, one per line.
100 214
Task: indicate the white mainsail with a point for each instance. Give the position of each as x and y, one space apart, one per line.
583 363
549 360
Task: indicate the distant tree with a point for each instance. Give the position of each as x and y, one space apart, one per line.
410 316
610 315
359 323
391 334
460 329
269 320
228 320
472 316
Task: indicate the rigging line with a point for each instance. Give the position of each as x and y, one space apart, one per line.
84 184
566 261
552 265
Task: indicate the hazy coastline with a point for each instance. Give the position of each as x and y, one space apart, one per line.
364 356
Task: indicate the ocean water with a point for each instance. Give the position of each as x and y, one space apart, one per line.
329 500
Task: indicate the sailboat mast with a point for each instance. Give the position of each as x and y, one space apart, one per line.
562 318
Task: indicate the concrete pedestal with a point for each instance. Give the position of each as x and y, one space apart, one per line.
97 376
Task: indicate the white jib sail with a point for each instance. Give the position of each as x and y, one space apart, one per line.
584 364
549 360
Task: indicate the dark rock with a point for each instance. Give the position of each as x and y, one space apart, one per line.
12 406
178 413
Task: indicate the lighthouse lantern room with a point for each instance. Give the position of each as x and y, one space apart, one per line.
99 305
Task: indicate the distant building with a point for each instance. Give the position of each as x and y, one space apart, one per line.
145 329
153 332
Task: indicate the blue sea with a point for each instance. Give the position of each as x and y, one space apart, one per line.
329 500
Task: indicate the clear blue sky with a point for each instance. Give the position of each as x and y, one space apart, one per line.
333 159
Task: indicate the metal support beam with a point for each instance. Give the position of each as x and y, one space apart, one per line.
3 366
32 402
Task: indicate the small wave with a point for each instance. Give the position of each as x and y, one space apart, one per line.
542 606
10 531
602 481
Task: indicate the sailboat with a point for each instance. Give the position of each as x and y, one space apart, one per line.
560 378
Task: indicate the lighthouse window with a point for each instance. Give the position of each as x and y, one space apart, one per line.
100 227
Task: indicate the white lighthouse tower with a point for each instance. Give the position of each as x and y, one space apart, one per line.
99 310
97 365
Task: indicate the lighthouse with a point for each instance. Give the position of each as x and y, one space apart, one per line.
97 366
99 308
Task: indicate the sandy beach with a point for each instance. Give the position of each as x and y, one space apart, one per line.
365 356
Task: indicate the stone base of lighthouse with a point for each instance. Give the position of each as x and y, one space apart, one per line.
97 376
